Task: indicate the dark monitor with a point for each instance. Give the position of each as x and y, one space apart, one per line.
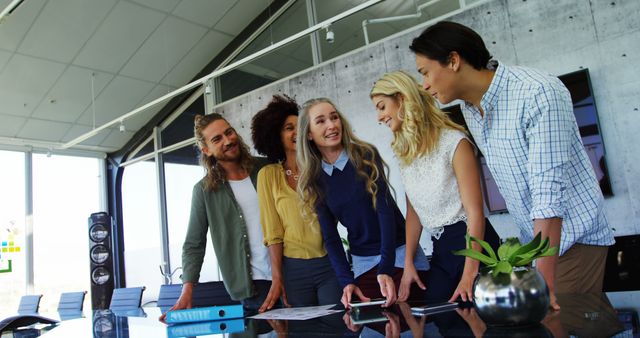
584 108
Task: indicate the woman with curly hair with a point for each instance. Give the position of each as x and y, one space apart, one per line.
343 179
301 271
442 183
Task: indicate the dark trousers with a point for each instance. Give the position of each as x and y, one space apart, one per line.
368 284
252 304
310 282
446 268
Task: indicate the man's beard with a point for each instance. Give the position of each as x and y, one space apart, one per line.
224 157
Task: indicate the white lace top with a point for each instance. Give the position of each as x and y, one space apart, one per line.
431 185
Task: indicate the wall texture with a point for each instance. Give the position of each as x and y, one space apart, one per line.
559 37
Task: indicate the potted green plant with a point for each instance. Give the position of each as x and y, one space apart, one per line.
508 291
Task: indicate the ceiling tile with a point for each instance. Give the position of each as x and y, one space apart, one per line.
16 25
204 12
77 130
119 36
198 57
165 5
118 98
44 130
163 50
239 16
71 95
63 27
4 57
24 81
10 125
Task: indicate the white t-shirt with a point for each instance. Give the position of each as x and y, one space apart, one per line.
247 197
431 185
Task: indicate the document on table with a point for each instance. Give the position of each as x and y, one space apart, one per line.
298 313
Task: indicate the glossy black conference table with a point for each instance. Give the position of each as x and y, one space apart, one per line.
582 315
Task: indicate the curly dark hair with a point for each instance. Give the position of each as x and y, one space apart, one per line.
266 126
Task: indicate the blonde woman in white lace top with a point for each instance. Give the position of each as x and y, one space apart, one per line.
442 183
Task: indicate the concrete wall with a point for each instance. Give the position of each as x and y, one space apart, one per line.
557 36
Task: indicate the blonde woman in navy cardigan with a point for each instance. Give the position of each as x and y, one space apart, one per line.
342 178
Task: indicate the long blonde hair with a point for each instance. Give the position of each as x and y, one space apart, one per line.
422 121
362 154
216 174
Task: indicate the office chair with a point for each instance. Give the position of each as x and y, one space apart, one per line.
29 304
168 296
126 301
70 305
204 294
27 314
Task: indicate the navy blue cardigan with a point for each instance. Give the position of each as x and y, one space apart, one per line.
371 232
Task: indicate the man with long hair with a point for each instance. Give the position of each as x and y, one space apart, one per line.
225 202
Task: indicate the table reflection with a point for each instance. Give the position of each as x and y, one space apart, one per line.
581 315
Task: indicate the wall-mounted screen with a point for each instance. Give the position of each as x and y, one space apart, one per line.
584 108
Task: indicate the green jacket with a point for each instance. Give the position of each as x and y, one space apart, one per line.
219 212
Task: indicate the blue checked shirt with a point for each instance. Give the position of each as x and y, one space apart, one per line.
530 139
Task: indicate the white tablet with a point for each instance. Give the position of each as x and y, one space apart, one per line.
434 308
373 301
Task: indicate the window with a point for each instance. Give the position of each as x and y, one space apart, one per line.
180 179
12 237
141 228
66 190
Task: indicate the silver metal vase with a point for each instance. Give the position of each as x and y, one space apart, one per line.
519 298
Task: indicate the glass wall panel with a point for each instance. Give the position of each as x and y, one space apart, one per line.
349 34
141 228
276 65
290 22
12 237
180 179
147 148
66 190
181 129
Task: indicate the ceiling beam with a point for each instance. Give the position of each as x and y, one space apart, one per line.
222 71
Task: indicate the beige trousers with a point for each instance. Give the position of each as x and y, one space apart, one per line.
581 269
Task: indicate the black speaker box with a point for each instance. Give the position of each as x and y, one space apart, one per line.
101 259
